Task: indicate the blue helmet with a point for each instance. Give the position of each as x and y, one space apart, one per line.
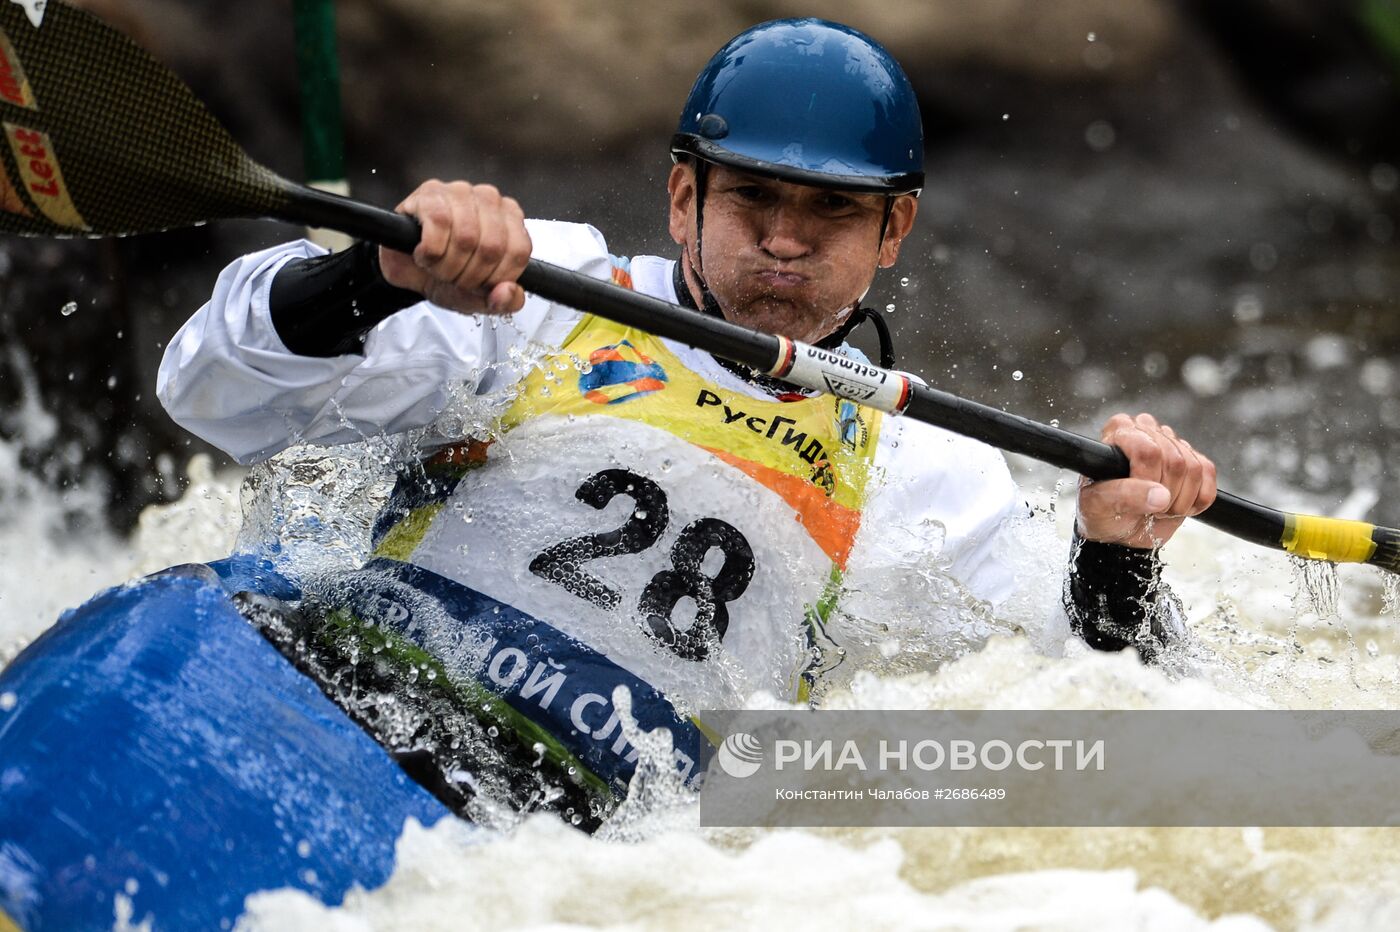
807 101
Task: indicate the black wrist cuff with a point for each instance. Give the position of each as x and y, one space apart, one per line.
325 306
1111 596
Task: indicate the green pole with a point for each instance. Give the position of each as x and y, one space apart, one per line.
1381 20
322 133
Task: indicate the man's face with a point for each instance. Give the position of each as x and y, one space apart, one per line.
785 258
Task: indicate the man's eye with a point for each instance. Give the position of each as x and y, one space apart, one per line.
749 192
835 202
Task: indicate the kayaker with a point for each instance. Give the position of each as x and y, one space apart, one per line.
648 514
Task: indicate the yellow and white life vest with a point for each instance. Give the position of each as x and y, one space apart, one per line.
688 532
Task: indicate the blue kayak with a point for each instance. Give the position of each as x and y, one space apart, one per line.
154 745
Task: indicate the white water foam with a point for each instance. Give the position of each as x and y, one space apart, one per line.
50 568
546 875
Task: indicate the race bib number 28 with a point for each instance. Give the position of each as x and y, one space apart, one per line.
562 563
675 564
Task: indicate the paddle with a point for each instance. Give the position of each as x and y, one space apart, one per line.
101 140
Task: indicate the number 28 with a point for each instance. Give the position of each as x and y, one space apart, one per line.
561 563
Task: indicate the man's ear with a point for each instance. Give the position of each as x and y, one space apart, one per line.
681 187
902 213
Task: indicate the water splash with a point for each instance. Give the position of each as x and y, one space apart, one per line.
1317 587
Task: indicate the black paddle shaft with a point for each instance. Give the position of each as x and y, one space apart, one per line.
760 351
1010 432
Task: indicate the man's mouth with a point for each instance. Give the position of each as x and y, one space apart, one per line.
779 280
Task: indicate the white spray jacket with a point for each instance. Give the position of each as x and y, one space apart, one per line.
936 499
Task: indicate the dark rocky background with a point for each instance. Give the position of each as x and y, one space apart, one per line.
1188 206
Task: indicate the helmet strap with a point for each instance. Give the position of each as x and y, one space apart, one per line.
702 177
884 225
861 314
707 299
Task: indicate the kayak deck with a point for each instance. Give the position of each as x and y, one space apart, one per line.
155 746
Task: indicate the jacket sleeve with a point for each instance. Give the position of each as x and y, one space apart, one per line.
228 378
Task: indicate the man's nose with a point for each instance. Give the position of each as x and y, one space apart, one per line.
787 233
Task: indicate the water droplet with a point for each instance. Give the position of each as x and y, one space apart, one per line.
1005 116
1100 135
1155 364
904 282
8 701
1092 37
304 848
889 308
1204 376
1248 309
1263 256
69 309
1384 177
1376 376
1017 376
493 731
132 886
640 515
